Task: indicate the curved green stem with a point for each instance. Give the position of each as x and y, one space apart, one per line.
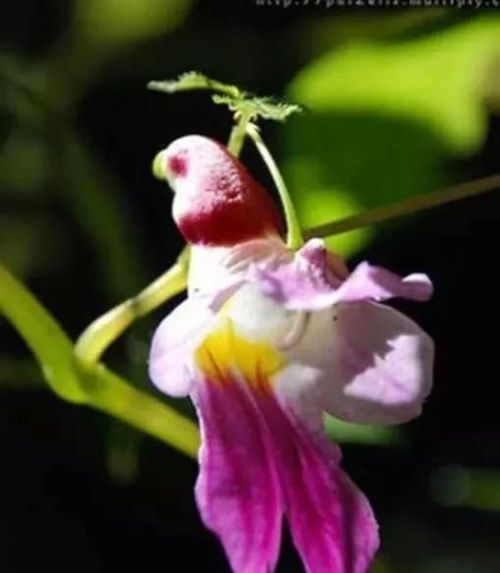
112 394
101 333
98 386
294 234
47 340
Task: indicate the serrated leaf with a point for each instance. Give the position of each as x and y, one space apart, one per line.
195 81
237 100
255 107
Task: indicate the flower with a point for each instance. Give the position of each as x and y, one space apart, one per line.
266 342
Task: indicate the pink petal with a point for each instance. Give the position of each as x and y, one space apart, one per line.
314 279
301 282
264 452
368 282
238 491
379 366
331 521
173 345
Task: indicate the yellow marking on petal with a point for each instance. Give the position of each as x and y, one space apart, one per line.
225 352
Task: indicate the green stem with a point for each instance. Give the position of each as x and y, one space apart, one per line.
44 336
116 396
101 333
294 233
406 207
238 134
97 386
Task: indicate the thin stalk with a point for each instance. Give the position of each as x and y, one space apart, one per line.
101 333
116 396
46 339
238 134
294 234
97 387
406 207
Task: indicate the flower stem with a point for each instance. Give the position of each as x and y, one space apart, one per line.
294 234
46 339
116 396
97 387
238 134
406 207
101 333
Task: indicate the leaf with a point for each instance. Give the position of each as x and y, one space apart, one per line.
118 22
237 100
194 81
384 119
438 80
254 107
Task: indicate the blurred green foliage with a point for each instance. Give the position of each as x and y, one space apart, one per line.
390 100
42 154
107 22
383 114
383 118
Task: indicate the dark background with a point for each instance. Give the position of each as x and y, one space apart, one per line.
85 225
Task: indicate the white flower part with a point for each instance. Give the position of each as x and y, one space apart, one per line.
208 269
302 339
215 272
258 318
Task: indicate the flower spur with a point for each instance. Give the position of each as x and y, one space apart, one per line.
265 343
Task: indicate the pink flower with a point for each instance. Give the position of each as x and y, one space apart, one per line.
266 342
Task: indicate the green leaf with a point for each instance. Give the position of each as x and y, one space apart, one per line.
438 80
194 81
240 102
254 107
118 22
384 120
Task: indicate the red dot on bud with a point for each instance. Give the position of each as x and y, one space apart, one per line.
177 165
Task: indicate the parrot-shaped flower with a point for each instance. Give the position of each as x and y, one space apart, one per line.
266 342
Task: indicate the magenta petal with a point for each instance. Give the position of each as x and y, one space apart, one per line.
332 523
237 491
380 367
265 453
260 457
173 345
